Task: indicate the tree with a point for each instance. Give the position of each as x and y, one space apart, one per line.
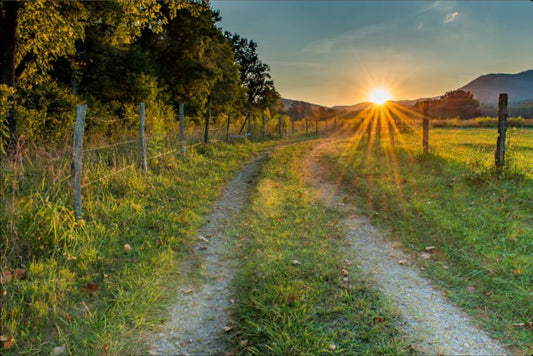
255 74
456 103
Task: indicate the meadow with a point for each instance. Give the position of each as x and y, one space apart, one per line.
478 219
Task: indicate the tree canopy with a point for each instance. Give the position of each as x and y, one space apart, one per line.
113 54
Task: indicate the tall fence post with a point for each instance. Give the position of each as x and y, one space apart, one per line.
79 129
142 118
502 129
182 128
207 123
391 134
425 126
227 128
280 128
306 127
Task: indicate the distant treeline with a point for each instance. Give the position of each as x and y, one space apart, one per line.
113 55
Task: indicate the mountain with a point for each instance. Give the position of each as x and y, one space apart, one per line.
487 87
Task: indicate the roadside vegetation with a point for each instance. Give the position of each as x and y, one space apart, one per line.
477 219
92 286
299 290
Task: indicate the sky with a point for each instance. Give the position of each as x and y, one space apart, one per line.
336 52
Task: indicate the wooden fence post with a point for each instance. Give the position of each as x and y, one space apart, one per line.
250 125
316 126
391 134
292 120
263 133
279 127
227 128
79 129
425 126
142 118
207 123
502 129
182 128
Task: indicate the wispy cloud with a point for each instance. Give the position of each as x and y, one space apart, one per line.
346 40
451 17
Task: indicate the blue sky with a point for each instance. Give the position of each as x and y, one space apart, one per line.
335 52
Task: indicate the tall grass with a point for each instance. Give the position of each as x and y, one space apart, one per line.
94 284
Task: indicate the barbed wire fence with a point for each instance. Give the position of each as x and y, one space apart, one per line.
159 137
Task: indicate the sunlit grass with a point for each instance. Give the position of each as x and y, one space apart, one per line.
478 219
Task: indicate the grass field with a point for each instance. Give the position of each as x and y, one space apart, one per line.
480 221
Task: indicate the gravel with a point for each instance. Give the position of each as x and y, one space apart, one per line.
429 321
200 315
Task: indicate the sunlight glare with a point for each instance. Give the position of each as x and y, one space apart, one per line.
379 96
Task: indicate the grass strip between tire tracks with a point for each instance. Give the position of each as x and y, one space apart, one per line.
299 292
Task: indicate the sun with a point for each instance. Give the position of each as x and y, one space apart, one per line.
379 96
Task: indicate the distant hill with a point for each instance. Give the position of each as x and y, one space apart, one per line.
487 87
288 102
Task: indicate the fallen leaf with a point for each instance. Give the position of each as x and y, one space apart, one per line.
60 349
344 272
471 289
345 279
232 352
9 343
4 338
402 262
244 343
19 273
127 248
430 248
488 294
201 238
446 267
332 347
104 349
296 262
409 347
91 288
517 272
6 277
426 255
290 299
187 291
227 329
378 319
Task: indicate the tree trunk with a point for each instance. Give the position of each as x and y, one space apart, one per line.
8 45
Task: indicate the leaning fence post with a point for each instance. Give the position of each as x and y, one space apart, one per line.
425 126
79 129
182 128
142 117
502 129
227 128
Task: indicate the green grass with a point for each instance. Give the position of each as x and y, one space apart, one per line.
479 220
81 287
286 307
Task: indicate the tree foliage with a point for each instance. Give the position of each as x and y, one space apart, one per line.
114 54
457 103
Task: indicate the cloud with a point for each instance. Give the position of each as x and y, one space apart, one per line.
451 17
346 41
